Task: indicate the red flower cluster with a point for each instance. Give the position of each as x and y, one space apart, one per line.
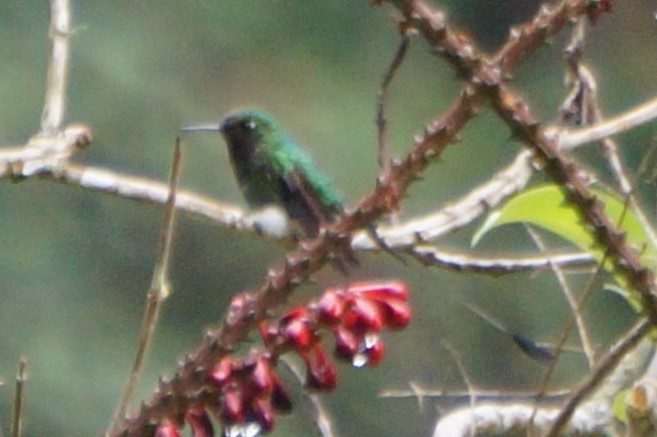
356 315
249 390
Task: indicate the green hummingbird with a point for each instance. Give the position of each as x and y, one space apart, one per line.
270 168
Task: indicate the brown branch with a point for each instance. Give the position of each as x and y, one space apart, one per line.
174 396
486 82
487 77
381 119
564 171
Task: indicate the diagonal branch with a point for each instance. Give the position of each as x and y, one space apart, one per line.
487 77
172 396
160 288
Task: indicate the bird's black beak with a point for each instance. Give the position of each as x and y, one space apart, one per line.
202 128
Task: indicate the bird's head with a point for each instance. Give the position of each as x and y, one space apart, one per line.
247 127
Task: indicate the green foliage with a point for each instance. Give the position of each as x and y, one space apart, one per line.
619 407
546 207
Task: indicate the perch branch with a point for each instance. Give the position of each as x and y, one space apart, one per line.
487 77
637 116
432 256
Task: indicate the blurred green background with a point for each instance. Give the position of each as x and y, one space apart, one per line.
75 265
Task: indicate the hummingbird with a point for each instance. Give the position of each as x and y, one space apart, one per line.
271 169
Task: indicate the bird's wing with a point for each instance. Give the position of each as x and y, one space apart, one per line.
302 201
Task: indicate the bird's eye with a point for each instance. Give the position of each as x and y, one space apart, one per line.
250 124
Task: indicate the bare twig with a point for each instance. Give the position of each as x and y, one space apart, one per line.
153 192
460 365
451 217
498 265
381 119
159 291
418 392
55 101
321 415
637 116
575 308
566 331
19 399
570 324
585 108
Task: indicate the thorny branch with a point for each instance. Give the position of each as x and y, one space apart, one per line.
487 79
47 155
487 83
515 112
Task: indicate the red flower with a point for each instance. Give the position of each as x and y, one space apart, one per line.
363 315
397 312
251 392
346 343
264 414
262 376
199 422
167 429
296 328
331 307
222 370
320 373
232 405
380 290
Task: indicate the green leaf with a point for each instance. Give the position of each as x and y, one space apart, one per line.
619 407
545 206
